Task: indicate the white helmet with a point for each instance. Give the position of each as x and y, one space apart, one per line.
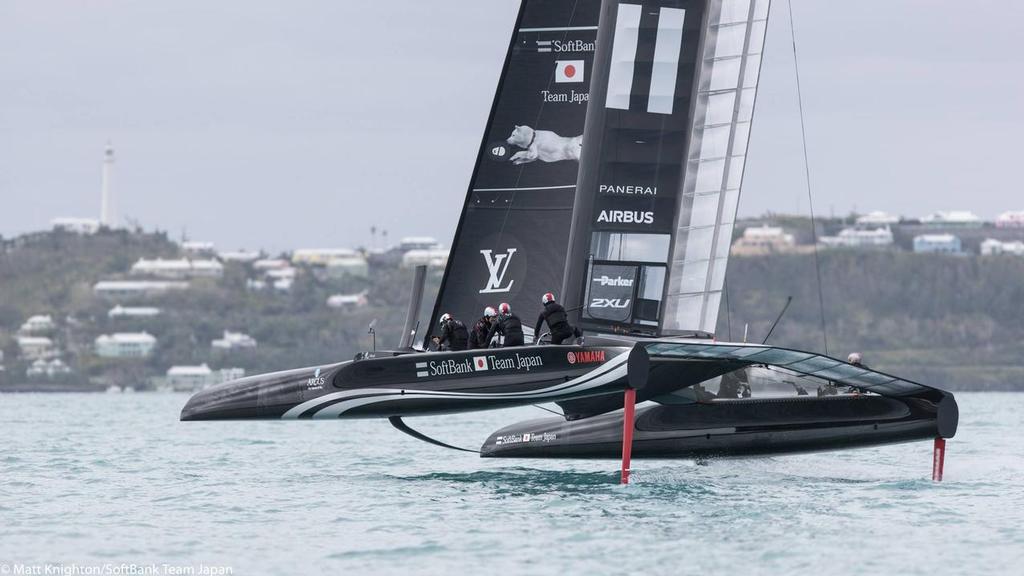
444 318
489 312
853 358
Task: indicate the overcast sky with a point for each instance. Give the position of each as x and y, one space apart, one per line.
301 123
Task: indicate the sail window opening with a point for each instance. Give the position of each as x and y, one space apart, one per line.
627 247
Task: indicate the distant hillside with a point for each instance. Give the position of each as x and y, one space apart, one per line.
945 320
950 321
54 273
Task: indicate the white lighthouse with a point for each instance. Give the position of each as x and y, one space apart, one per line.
107 215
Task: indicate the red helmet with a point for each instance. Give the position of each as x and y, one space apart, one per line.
548 297
504 308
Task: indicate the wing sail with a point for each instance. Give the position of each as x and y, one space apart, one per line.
513 233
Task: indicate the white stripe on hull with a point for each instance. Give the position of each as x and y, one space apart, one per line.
605 374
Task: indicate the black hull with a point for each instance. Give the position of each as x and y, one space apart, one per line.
725 428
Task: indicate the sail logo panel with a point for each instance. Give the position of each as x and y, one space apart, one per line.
513 234
673 85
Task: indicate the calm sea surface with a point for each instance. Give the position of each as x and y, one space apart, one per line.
115 480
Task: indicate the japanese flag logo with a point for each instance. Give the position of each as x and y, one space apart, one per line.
567 71
480 363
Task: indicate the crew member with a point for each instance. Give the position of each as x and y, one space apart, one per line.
558 322
478 335
508 325
454 335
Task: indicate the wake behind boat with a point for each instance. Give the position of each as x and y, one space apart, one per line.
611 167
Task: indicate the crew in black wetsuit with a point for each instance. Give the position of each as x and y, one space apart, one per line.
478 334
454 335
508 325
555 316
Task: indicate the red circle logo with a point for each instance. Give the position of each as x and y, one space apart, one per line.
569 71
572 357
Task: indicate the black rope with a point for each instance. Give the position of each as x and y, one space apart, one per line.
807 176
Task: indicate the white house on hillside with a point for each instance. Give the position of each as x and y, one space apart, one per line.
763 240
193 378
1011 220
196 247
937 244
38 324
434 257
242 256
34 347
321 256
347 300
182 268
41 369
958 218
877 218
136 288
133 312
992 247
233 341
859 238
418 243
125 345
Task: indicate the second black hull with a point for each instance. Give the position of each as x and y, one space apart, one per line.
729 428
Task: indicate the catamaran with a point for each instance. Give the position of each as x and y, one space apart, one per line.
611 166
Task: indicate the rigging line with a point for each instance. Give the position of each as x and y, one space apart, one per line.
728 312
807 177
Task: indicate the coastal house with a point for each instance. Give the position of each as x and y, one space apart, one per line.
437 257
193 378
354 266
197 248
871 238
125 345
179 269
321 256
136 288
34 347
270 264
125 312
877 219
937 244
347 300
1013 219
233 341
952 219
42 370
763 240
38 324
993 247
417 243
241 256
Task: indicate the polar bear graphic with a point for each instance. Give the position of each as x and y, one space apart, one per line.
543 145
